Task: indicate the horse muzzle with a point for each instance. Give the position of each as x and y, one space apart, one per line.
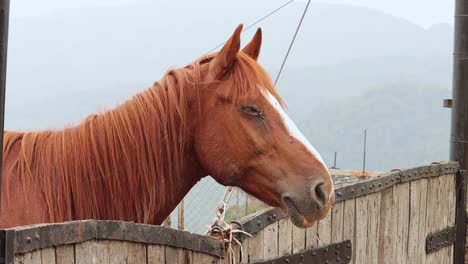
305 211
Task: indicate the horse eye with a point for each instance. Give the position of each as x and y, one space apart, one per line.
252 110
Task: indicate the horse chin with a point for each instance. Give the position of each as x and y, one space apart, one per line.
296 217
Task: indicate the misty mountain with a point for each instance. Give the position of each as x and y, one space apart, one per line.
65 65
351 69
406 127
78 61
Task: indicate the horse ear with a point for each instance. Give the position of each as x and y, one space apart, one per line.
253 48
225 58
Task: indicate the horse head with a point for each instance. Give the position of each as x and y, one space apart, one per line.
245 138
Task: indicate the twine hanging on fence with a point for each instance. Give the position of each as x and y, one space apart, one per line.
226 232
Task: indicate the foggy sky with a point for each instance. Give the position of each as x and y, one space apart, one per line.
422 12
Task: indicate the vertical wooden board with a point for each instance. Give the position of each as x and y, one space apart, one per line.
33 257
444 211
255 250
156 254
432 213
417 218
452 199
284 237
298 238
337 222
373 222
270 241
197 257
451 210
387 228
445 182
202 258
92 252
401 197
311 238
422 232
244 251
136 253
349 222
324 231
413 256
438 223
126 252
186 257
361 230
65 254
48 256
173 255
117 252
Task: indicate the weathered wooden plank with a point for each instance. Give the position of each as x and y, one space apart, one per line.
65 254
117 252
337 222
444 211
33 257
136 253
173 255
298 238
431 214
255 250
417 229
349 223
373 223
387 229
311 237
245 251
204 258
156 254
284 237
126 252
361 230
451 193
48 256
92 252
324 231
401 197
270 241
186 257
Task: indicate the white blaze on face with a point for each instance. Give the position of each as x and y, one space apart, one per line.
292 128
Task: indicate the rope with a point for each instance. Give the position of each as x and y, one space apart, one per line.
292 42
225 232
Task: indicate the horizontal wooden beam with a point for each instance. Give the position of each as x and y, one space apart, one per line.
29 238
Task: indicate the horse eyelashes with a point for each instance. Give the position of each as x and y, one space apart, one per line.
252 110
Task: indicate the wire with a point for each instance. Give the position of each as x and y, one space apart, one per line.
292 42
256 22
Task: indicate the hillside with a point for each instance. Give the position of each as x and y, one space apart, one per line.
406 126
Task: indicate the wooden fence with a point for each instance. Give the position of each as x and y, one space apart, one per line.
400 217
108 242
387 219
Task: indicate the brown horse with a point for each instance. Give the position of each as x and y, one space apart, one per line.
218 116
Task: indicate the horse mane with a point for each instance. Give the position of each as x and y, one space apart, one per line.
122 163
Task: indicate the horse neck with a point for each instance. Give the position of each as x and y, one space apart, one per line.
123 164
158 174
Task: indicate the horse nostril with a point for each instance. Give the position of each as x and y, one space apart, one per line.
320 194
